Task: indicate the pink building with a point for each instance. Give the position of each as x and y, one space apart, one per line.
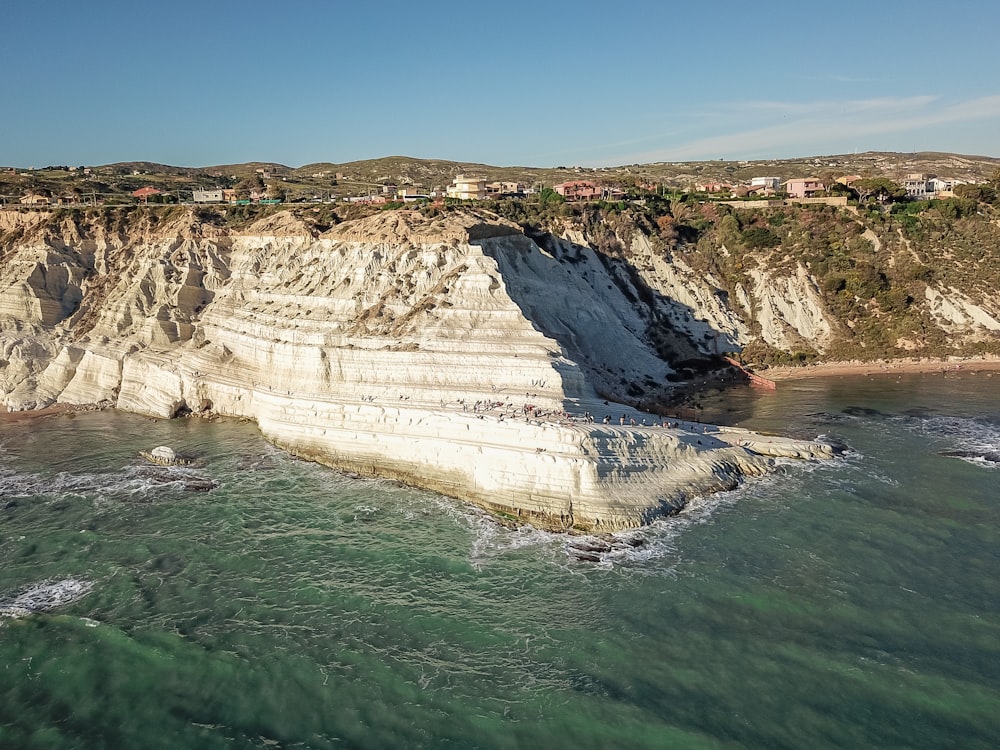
804 187
579 190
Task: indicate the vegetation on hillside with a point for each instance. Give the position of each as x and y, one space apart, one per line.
871 268
871 265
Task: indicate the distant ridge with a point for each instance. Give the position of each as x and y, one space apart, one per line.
331 180
890 159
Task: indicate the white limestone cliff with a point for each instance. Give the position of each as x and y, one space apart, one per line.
450 353
952 309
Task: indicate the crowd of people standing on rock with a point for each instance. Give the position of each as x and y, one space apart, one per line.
642 422
507 410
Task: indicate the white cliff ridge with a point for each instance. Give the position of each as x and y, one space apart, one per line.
449 353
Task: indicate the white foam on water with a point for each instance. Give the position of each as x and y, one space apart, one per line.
131 484
492 540
633 548
986 461
366 512
976 441
45 596
657 550
644 548
659 540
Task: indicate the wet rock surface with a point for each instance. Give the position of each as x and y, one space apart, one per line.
594 548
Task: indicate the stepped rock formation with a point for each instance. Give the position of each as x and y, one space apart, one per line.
451 353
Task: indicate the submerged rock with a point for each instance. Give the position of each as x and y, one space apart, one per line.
190 482
595 548
863 411
200 484
984 456
165 456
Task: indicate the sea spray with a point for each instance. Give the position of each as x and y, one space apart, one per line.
45 596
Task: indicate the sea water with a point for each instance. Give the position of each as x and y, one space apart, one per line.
253 600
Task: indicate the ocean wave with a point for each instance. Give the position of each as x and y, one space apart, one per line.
645 549
45 596
971 439
653 549
132 484
493 540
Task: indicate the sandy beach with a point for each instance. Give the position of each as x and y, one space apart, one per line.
883 367
7 416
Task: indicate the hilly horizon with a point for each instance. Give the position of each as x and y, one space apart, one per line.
896 158
332 180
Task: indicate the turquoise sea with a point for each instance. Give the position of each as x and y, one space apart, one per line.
846 604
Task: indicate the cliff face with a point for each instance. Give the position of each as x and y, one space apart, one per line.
429 311
795 283
446 352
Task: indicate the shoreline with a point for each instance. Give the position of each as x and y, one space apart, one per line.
53 410
883 367
26 415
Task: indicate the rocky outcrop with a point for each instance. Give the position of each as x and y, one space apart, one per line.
451 353
954 310
788 309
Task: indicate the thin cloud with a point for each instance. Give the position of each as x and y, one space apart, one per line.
813 123
834 78
827 106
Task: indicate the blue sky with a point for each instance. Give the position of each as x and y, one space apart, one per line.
540 83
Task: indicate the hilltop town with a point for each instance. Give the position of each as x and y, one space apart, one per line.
401 180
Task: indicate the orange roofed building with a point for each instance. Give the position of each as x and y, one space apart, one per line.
145 193
578 190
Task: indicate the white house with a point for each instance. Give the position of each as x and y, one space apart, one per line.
467 188
207 196
768 183
918 186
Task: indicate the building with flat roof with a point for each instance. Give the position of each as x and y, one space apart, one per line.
767 183
207 196
804 187
467 188
35 199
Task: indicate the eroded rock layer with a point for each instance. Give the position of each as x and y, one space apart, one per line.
450 353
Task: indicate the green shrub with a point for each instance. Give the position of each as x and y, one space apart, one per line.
834 283
758 238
